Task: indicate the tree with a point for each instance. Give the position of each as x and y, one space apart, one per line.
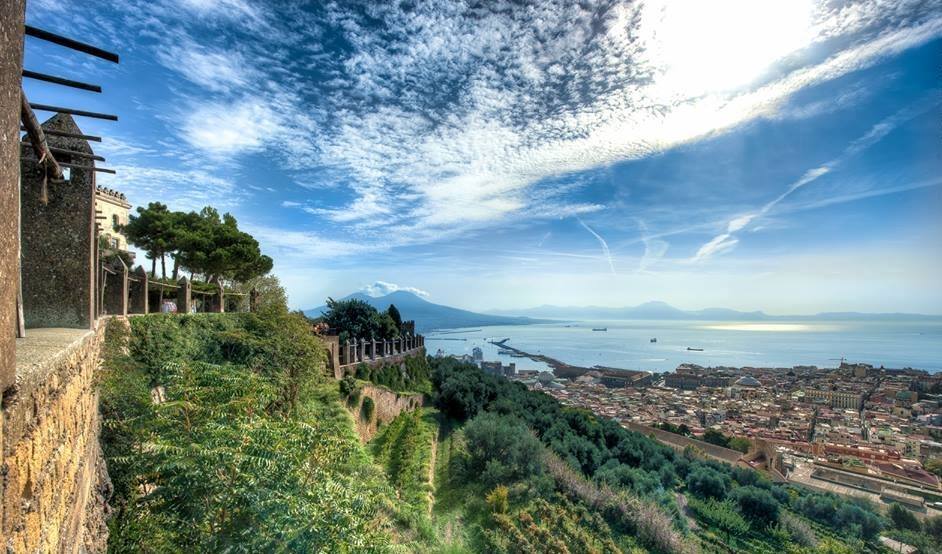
154 230
713 436
707 483
934 465
357 319
903 518
501 449
757 503
394 314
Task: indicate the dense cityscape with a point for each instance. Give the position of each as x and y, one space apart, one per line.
856 430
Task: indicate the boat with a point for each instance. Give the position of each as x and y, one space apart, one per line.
600 328
505 352
694 349
654 339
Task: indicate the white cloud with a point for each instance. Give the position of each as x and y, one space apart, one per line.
225 129
382 288
726 241
605 251
214 70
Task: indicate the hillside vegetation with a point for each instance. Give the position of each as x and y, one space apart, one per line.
223 433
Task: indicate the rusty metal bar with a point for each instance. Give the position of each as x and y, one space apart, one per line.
60 81
71 43
38 138
90 168
73 111
54 133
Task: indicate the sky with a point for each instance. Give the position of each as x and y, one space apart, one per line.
782 156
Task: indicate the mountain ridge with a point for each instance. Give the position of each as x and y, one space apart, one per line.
428 315
662 310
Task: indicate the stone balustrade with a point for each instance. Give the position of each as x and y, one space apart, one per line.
371 351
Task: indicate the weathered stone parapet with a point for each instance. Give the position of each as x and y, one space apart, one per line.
137 292
55 480
115 301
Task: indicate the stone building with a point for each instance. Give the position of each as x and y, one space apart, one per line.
112 208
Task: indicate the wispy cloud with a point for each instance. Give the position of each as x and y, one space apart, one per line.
605 251
727 240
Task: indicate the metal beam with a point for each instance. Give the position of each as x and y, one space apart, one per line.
71 43
60 81
48 108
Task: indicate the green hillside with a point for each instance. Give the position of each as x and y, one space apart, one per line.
223 433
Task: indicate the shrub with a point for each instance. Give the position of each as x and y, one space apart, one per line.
501 449
757 503
497 500
367 409
706 482
903 518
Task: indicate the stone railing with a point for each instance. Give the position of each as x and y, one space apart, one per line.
371 351
125 292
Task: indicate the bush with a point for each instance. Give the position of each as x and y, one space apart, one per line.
707 483
757 503
903 518
367 409
497 500
501 449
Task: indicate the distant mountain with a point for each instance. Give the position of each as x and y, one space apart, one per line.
430 316
662 310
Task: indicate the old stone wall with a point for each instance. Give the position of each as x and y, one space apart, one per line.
387 406
55 484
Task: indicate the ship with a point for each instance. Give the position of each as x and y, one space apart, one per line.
694 349
654 339
600 328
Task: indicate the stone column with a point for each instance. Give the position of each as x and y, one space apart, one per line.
12 14
220 300
184 296
361 350
137 292
58 243
116 289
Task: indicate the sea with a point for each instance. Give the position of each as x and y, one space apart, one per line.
627 344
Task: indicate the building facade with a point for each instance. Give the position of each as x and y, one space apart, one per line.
112 209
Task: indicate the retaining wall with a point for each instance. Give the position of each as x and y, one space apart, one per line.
56 485
387 406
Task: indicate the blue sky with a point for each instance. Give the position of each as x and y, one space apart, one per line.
782 156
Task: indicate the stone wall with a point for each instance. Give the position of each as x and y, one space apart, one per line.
55 483
387 406
12 13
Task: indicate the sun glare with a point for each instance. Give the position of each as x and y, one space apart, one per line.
723 45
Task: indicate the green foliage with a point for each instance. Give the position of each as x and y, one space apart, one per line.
219 464
348 386
501 450
356 319
757 503
903 518
395 316
367 409
934 465
720 515
404 449
411 375
740 443
707 482
203 243
497 499
933 527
